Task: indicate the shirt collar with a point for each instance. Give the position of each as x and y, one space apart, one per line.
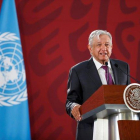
98 64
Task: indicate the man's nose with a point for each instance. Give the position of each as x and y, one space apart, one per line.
103 47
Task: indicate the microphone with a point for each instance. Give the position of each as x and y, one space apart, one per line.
106 63
116 65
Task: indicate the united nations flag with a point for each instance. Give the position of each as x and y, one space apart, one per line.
14 116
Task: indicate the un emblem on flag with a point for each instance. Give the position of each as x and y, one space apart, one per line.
12 72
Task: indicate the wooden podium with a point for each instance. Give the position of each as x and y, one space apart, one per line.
107 101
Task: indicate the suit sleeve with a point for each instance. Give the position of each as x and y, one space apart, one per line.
74 91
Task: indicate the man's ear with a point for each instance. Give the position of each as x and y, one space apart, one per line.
89 48
112 46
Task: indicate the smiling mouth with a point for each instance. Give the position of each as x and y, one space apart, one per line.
103 53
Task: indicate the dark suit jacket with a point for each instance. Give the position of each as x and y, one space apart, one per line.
83 81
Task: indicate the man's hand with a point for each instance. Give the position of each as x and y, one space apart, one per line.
76 113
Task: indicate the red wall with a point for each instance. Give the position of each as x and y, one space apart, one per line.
54 35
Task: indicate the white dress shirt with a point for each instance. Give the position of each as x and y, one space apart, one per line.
101 71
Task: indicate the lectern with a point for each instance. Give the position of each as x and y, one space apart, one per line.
107 103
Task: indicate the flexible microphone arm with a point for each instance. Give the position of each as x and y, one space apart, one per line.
116 65
106 63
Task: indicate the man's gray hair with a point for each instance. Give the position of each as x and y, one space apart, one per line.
97 33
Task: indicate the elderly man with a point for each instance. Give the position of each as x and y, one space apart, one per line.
86 77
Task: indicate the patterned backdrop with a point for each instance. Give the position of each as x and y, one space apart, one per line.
54 35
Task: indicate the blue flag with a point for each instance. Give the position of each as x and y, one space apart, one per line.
14 115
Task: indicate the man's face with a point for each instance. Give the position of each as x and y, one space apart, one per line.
101 48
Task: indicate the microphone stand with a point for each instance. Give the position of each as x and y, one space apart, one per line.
106 63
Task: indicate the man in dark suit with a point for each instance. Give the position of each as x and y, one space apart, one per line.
86 77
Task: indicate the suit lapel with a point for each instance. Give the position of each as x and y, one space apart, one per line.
93 73
115 72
